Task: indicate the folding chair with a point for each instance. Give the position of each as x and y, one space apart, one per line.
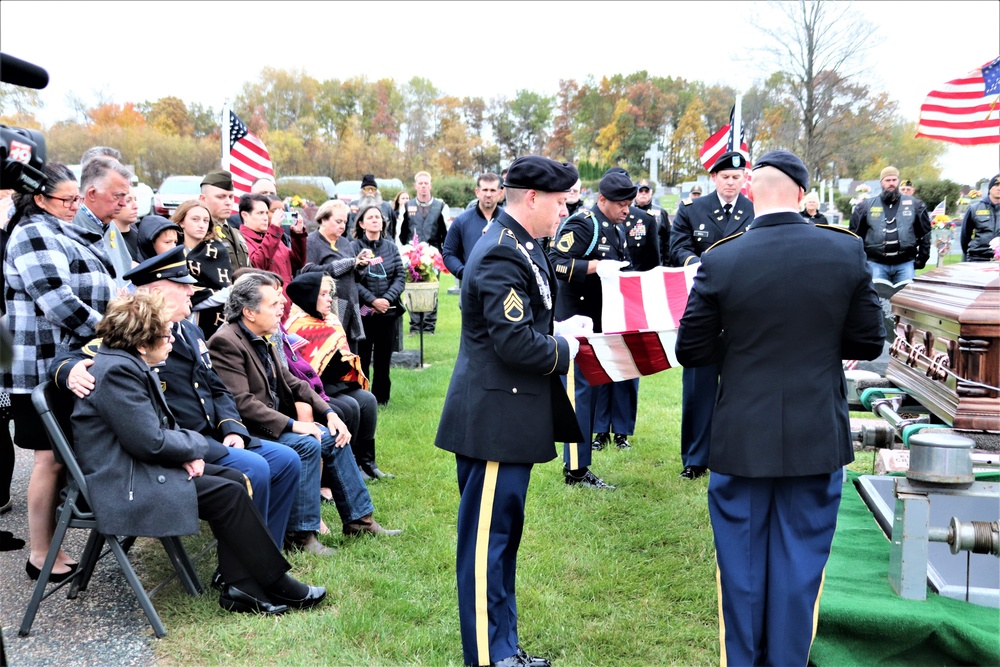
74 512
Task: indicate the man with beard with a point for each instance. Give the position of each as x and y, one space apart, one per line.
896 231
586 246
371 196
700 223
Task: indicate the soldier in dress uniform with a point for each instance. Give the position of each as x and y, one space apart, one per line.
699 223
585 240
506 406
643 227
217 196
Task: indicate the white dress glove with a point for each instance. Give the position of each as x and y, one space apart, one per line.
609 267
574 347
578 325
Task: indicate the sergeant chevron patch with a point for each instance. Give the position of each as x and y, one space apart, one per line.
565 243
513 307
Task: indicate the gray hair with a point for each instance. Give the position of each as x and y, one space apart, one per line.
370 200
99 151
97 169
245 293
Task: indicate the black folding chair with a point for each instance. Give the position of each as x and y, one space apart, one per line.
74 512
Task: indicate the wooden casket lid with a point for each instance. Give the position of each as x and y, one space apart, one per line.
967 293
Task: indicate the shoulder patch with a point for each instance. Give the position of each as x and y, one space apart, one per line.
565 242
91 347
687 202
513 307
842 230
721 241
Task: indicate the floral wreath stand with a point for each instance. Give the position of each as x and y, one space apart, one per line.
421 298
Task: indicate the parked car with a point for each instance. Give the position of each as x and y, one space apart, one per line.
174 191
324 183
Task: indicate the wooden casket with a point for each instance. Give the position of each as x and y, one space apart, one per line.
947 348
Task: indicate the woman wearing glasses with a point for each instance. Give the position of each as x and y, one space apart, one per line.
379 290
58 284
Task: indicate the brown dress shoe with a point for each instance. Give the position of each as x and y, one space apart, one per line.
306 541
367 525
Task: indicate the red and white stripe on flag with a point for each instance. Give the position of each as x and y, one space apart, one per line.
716 145
248 157
607 358
651 300
965 110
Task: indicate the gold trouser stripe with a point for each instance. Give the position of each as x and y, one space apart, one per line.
249 485
482 558
819 594
574 452
722 619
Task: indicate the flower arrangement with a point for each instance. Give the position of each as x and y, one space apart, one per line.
423 262
995 244
975 194
942 221
863 189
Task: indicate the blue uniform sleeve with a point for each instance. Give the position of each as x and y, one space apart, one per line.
700 337
682 245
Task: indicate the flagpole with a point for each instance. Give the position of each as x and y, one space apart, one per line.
736 131
224 136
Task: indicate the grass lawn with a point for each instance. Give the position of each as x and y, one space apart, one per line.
622 578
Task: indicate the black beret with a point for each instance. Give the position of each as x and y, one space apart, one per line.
617 186
729 160
368 180
220 178
994 181
643 184
170 265
534 172
788 164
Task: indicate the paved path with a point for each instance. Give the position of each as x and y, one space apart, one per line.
103 626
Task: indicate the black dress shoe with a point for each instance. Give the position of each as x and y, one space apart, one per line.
531 660
601 441
54 577
218 583
513 661
312 598
693 472
233 599
588 479
621 441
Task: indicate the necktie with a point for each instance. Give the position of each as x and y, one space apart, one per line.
728 208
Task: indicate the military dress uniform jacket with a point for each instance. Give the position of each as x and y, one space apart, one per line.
642 233
237 363
791 291
134 452
582 237
701 222
505 402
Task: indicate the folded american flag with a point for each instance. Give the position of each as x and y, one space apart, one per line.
641 313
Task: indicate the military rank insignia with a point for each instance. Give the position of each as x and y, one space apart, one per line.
513 307
565 242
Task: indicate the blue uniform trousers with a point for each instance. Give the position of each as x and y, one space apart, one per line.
772 541
273 471
616 406
490 523
699 385
577 455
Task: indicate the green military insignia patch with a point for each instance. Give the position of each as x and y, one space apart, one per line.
565 243
513 307
163 387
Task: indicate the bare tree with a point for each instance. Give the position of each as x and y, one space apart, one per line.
812 42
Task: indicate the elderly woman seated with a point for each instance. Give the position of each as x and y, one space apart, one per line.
322 341
147 477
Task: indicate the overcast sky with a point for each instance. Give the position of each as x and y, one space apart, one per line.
200 52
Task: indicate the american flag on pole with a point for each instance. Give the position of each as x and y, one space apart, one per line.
641 313
939 209
964 111
721 142
247 157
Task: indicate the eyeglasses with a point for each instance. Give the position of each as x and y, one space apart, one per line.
370 189
168 336
66 201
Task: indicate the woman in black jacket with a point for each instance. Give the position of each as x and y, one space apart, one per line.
379 290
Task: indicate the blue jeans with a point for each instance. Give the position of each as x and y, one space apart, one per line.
274 471
349 491
893 273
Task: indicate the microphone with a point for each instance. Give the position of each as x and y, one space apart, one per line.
20 73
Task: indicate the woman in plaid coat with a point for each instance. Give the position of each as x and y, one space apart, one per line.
59 279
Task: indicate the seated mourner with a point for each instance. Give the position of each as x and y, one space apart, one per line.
148 477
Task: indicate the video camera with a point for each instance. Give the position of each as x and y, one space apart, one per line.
22 151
